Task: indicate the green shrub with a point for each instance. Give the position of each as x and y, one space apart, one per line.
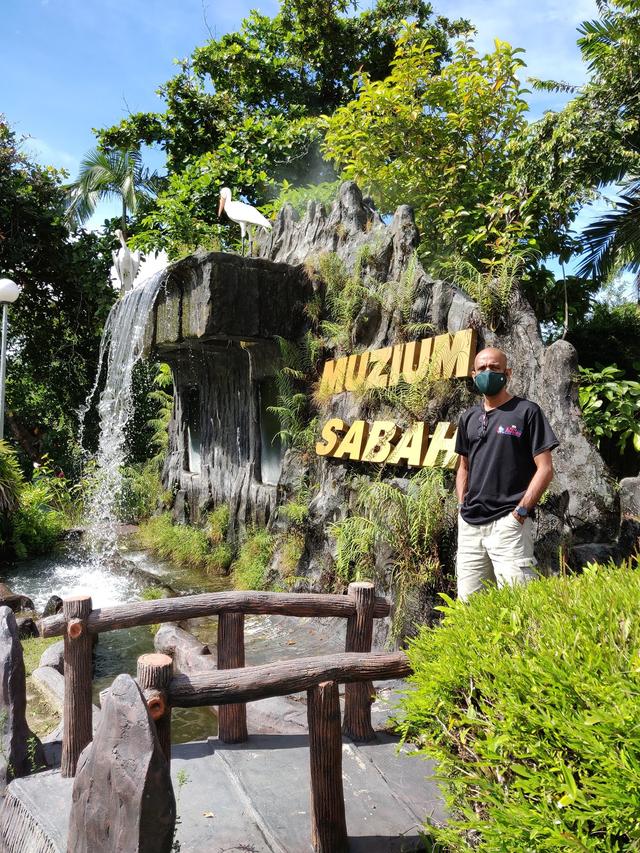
250 569
36 524
218 524
527 698
183 544
610 405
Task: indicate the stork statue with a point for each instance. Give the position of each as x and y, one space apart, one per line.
243 214
125 265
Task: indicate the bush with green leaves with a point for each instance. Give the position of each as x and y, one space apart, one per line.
11 479
610 405
36 525
527 698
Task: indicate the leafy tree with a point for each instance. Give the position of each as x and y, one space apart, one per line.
103 174
594 142
56 323
439 135
244 109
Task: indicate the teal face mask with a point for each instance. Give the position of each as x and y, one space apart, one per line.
490 382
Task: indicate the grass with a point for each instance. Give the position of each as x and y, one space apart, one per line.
42 718
194 547
250 569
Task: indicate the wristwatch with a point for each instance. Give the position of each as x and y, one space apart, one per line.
522 511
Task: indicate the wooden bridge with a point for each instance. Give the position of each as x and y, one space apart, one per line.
260 801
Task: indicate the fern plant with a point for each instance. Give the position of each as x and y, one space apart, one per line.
162 395
491 290
297 420
408 524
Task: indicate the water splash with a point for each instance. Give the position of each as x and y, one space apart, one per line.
124 340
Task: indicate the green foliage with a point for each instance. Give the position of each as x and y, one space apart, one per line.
409 524
32 649
36 525
299 197
11 479
491 290
218 524
439 134
297 422
162 397
526 698
609 333
291 550
243 110
55 324
250 568
183 544
610 405
141 492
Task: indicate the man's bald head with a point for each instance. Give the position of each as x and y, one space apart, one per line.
490 358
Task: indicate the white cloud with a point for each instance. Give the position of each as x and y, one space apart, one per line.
49 155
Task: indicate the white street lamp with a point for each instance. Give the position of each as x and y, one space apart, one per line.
9 292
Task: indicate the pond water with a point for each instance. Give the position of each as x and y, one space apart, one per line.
72 569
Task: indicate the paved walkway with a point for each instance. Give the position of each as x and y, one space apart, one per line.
254 798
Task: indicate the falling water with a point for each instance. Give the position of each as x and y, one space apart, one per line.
123 340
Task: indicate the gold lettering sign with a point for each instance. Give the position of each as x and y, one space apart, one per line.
439 357
443 356
384 441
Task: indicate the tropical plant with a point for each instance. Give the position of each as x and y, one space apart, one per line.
523 697
406 522
11 479
184 545
297 422
36 524
103 174
610 405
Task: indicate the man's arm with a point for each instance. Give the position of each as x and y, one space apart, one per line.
462 477
539 481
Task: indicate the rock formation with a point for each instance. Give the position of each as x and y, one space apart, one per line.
216 325
123 799
21 751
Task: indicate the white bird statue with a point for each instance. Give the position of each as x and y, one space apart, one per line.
125 264
243 214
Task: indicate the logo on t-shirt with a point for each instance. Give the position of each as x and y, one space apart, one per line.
509 430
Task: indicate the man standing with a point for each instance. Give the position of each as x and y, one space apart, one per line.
505 446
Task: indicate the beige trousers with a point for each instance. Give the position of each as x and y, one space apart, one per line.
498 552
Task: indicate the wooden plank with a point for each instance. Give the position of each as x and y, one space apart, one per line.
209 604
283 677
358 697
232 719
154 676
78 673
328 822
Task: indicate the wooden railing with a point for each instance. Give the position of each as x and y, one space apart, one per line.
79 621
319 676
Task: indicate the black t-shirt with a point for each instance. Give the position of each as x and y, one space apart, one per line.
500 446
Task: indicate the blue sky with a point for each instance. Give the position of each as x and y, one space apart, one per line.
69 65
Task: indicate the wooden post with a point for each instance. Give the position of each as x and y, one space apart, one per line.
358 697
328 823
154 676
232 719
78 673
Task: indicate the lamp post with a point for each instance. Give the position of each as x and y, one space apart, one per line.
9 292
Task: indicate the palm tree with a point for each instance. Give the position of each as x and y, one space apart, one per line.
104 174
612 242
